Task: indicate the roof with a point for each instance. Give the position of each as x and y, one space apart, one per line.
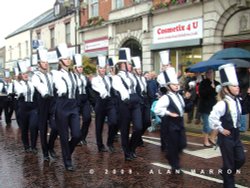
44 18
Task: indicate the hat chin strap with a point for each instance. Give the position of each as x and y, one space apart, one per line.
63 63
171 88
230 91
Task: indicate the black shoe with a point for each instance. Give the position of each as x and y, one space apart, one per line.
52 153
207 146
129 158
45 158
34 151
82 142
111 149
211 142
133 155
27 150
70 168
102 149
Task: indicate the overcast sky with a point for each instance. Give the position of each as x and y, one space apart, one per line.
14 14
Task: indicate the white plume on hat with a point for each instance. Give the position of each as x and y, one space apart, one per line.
137 62
164 57
228 75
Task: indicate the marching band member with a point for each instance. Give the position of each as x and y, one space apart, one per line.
67 111
104 106
7 101
27 108
142 92
165 64
82 97
129 105
225 118
171 108
113 92
161 80
43 82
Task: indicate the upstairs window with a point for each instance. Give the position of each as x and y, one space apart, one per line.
52 38
119 4
94 8
67 33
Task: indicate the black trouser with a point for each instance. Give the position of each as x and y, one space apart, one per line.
46 115
8 109
67 118
29 123
233 156
146 119
176 140
130 112
105 108
85 112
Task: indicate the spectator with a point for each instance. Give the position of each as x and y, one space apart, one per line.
207 91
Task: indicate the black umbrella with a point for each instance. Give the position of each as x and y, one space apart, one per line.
232 53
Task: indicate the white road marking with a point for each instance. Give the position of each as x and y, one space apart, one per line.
196 175
206 153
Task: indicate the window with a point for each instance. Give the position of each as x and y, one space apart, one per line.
10 50
52 38
38 35
27 48
67 33
119 4
19 50
94 8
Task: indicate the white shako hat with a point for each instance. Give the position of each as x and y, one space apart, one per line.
136 61
42 54
164 57
124 55
62 51
23 66
101 61
228 75
77 60
170 76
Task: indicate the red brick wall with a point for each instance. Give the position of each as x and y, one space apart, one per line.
104 8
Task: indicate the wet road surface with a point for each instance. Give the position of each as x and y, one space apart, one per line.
201 166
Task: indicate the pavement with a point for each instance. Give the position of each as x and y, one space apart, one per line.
93 169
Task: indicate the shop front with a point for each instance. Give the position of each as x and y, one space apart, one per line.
183 39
